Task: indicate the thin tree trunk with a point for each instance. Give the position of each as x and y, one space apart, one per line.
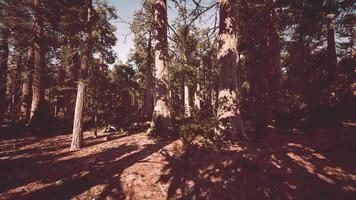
17 82
197 94
352 42
332 59
77 138
39 64
149 81
26 88
4 47
274 64
95 125
197 97
334 92
73 74
96 97
187 107
161 120
228 113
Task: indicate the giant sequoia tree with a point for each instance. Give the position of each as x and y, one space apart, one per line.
285 60
161 121
228 114
39 61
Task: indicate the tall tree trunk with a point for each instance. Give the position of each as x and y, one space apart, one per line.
228 113
4 56
332 60
209 88
17 82
26 87
352 42
73 75
197 97
149 81
77 137
95 99
39 64
274 64
187 107
161 120
334 92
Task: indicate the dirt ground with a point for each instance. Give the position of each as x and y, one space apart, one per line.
316 165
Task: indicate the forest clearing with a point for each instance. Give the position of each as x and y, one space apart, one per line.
178 99
319 165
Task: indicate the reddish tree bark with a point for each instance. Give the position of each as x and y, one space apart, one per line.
161 121
4 56
26 94
39 62
228 112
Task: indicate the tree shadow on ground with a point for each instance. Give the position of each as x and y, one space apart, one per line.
56 173
282 168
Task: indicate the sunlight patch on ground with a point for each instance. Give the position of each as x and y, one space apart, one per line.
26 189
309 167
277 163
291 186
348 188
339 173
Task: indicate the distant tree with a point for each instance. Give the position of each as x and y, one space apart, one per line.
142 55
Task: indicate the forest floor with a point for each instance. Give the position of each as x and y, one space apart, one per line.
320 164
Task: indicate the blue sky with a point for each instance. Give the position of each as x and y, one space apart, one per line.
125 10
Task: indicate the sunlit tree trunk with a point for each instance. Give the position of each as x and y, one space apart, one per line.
39 64
187 107
198 92
197 97
77 137
228 113
4 56
73 74
26 87
161 120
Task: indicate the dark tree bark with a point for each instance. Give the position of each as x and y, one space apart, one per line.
39 62
161 121
274 63
4 56
228 113
18 68
332 59
74 67
77 137
26 95
149 81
